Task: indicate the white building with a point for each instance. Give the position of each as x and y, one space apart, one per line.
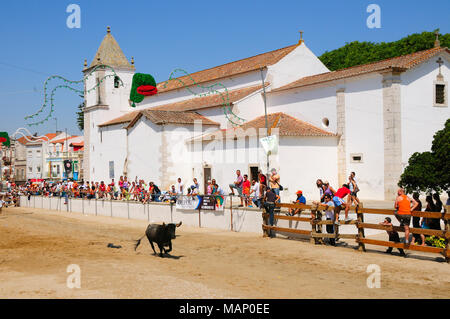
368 119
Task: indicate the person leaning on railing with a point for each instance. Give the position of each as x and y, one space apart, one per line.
270 198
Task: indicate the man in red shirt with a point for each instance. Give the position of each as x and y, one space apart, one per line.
339 203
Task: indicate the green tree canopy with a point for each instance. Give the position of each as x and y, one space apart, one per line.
356 53
80 117
429 171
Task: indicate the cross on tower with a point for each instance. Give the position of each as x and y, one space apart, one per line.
437 43
301 37
440 62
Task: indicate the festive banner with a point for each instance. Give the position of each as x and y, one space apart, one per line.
204 202
188 202
269 144
4 139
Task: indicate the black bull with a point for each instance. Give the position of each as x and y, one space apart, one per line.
162 235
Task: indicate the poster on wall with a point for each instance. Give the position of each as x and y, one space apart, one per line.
220 203
208 202
188 202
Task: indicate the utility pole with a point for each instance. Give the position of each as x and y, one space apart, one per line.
267 122
56 124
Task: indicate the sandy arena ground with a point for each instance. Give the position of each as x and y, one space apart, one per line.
36 246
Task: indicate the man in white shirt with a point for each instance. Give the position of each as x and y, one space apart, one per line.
179 187
255 189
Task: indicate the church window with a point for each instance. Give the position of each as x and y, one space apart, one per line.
325 122
116 82
356 158
440 94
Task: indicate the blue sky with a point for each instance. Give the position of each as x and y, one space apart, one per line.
162 36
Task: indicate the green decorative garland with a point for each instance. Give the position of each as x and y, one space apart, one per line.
66 86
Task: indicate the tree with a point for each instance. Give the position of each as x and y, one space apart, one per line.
441 151
429 171
356 53
80 117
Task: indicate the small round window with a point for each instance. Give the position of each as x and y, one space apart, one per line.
325 122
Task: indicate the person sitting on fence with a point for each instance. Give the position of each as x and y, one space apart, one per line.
173 194
327 189
155 193
218 191
339 203
269 204
329 213
393 236
416 222
101 189
300 200
403 214
255 191
238 186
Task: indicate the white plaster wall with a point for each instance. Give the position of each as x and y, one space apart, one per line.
224 157
297 64
111 145
309 104
420 118
365 134
144 147
302 160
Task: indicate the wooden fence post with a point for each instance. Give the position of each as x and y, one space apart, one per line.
361 246
231 212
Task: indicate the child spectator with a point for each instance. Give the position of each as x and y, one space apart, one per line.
300 200
393 236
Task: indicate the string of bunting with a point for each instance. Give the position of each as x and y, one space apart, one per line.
66 86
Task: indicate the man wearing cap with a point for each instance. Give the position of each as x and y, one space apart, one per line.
300 200
393 236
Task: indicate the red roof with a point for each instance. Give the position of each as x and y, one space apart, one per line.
226 70
63 140
399 64
191 104
287 126
23 140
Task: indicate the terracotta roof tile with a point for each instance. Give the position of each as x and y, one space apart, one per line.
63 140
237 67
191 104
287 126
401 63
160 117
209 101
121 119
24 141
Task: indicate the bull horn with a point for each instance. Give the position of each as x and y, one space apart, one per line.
179 224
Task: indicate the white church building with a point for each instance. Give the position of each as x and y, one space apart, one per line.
368 119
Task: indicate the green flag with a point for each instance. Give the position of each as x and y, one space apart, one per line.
4 139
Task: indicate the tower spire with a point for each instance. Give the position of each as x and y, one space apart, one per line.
437 43
301 38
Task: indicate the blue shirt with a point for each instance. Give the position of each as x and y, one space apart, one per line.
301 200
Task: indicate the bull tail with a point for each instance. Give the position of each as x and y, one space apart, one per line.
138 242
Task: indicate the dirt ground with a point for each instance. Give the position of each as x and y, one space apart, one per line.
36 247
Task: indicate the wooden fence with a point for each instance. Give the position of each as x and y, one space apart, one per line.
316 234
